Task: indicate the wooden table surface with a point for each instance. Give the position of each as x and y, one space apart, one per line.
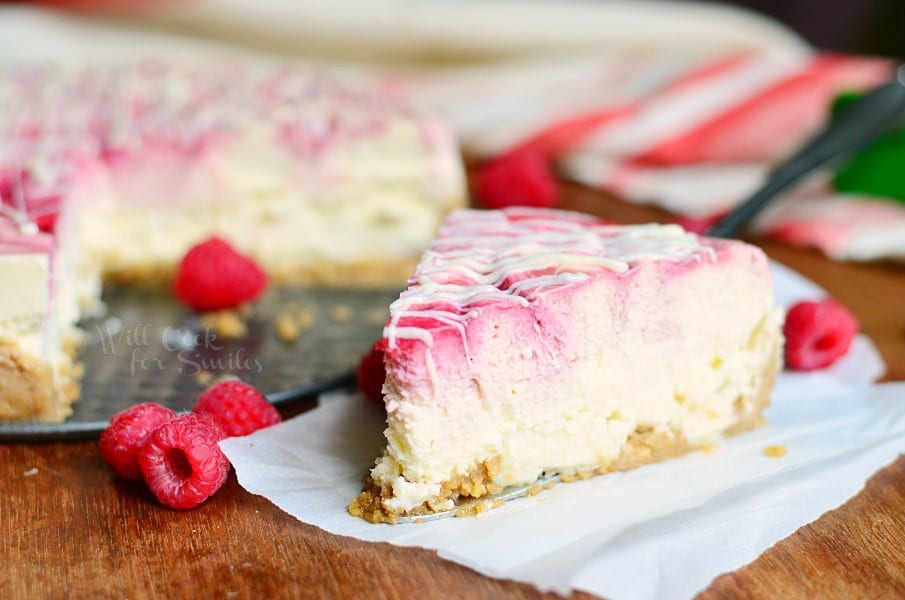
71 529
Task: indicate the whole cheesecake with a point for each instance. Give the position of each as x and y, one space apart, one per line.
113 173
538 342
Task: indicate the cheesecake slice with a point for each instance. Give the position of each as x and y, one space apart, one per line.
38 337
537 342
112 173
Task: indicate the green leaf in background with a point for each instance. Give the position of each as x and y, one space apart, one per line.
842 101
879 169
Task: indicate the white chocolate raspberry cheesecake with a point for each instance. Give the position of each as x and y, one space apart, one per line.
38 338
534 342
125 168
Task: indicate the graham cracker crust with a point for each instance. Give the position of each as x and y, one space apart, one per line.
29 390
644 446
367 274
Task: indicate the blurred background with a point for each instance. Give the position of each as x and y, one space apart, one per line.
687 105
861 26
853 26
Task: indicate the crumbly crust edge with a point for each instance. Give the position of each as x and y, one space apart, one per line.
32 390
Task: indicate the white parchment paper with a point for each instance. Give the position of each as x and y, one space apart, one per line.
661 531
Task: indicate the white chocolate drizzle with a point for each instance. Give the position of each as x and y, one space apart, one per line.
514 256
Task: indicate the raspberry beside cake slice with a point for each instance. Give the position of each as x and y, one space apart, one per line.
534 342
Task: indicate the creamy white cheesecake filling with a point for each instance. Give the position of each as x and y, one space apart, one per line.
347 233
28 305
675 357
377 198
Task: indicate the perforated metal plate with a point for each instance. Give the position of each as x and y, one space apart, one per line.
147 348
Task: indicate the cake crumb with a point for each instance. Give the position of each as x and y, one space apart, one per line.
777 451
493 488
492 467
708 448
204 378
473 509
498 502
287 327
534 490
584 474
419 521
549 485
340 313
225 323
568 477
304 317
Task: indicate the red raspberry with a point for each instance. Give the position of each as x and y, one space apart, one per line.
371 374
128 431
182 462
213 276
237 407
47 222
521 178
818 334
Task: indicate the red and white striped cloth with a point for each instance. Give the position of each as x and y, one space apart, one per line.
692 134
611 91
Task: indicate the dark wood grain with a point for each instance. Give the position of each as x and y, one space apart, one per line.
71 529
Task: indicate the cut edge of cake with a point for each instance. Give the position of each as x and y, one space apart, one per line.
495 266
35 388
644 446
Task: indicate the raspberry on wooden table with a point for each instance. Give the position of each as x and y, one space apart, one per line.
818 334
182 462
213 275
237 407
371 374
128 431
521 178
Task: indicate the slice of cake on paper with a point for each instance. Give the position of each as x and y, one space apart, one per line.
113 173
534 342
